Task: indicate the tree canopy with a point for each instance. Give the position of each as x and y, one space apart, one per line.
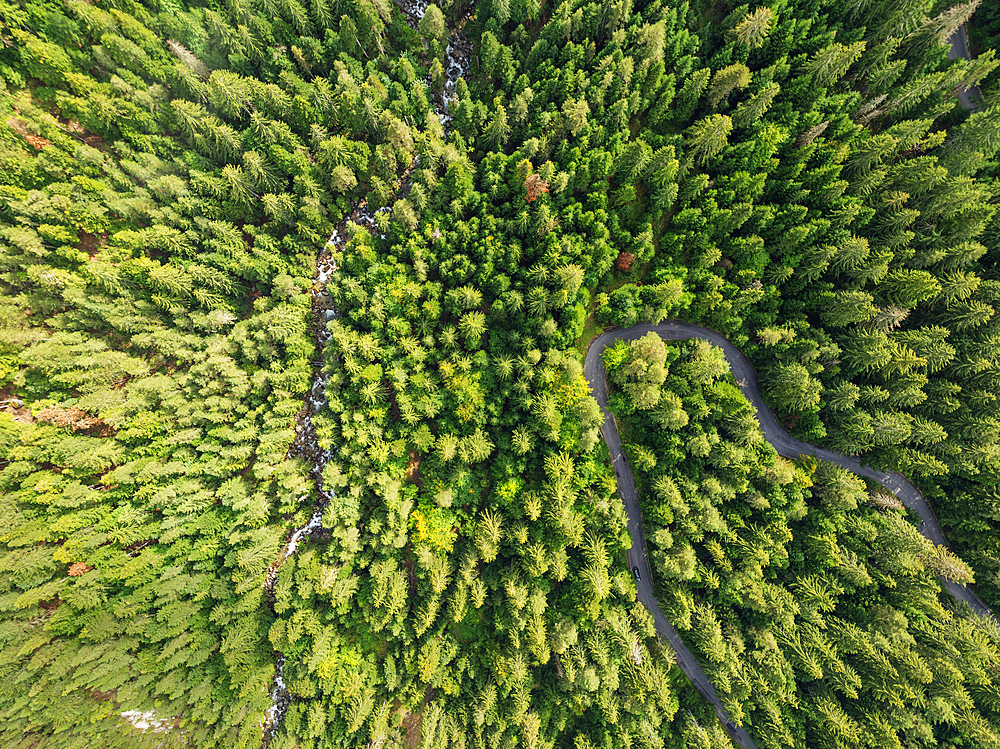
296 447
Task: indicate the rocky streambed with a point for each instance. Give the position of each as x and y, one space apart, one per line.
306 443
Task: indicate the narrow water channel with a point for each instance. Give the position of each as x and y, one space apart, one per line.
306 442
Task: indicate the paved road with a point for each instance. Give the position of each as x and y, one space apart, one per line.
783 443
959 47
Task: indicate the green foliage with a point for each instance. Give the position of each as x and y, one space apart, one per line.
158 230
796 175
813 606
640 374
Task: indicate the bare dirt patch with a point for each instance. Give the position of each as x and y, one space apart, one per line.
411 571
21 129
91 139
413 470
22 415
74 418
411 726
13 405
92 243
413 721
791 421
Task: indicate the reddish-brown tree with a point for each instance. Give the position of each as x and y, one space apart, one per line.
535 186
625 260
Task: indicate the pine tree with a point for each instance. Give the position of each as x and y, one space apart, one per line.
845 308
189 59
708 137
633 160
833 61
756 106
808 136
498 130
472 325
575 114
432 24
753 30
940 29
726 80
500 11
489 532
690 93
974 141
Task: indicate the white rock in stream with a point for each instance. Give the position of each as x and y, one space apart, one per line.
307 442
148 720
315 523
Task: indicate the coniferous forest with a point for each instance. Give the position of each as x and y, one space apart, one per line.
297 446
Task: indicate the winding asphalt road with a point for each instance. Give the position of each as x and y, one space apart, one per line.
958 46
784 444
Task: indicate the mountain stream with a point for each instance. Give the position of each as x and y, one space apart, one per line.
306 443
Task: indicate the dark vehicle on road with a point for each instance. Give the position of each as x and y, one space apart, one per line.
635 571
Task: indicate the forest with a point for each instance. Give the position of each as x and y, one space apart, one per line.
297 448
810 599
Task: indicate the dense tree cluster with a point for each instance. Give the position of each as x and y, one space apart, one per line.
983 33
812 602
168 176
473 529
835 215
797 175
